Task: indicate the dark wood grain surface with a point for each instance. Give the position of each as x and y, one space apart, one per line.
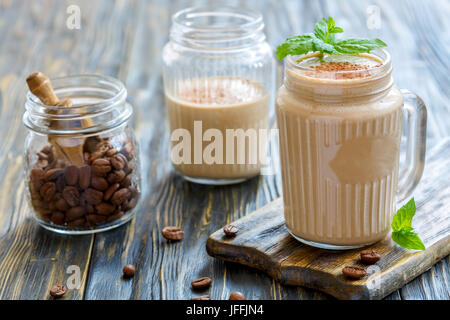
263 242
124 39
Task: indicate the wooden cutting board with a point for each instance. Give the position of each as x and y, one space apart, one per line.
264 243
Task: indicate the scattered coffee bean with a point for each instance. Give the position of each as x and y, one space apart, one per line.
120 196
71 175
101 166
354 272
201 283
62 205
129 270
99 183
173 233
53 174
111 152
92 196
57 217
75 213
105 209
116 176
71 195
110 191
230 230
119 161
237 296
47 191
204 297
37 177
85 177
370 256
58 290
42 156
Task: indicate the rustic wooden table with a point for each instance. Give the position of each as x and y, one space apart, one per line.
123 39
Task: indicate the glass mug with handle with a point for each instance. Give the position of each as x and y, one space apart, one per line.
340 137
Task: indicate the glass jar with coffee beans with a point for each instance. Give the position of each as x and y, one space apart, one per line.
81 157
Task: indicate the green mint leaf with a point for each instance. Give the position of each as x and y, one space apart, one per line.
323 40
402 230
321 29
355 45
403 218
408 240
296 46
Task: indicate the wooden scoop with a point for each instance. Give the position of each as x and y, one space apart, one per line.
70 149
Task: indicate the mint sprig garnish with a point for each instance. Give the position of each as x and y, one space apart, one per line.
402 230
323 40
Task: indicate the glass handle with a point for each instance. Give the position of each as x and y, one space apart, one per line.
416 127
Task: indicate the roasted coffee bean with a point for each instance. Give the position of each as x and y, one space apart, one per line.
201 283
173 233
204 297
71 195
62 205
128 150
46 149
41 164
57 217
89 209
71 175
354 272
53 174
93 219
126 182
105 209
96 155
109 192
99 183
230 230
370 256
85 177
120 196
52 154
129 270
119 161
115 216
75 213
37 178
93 196
116 176
47 191
237 296
111 152
58 291
101 166
103 146
77 223
130 204
42 156
60 183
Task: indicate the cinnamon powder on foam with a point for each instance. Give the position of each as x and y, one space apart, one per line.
332 70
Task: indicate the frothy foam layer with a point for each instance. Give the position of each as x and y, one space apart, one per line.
340 66
220 91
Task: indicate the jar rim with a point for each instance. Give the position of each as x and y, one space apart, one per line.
253 17
216 32
110 93
121 93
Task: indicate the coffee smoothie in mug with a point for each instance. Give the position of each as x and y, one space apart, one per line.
340 127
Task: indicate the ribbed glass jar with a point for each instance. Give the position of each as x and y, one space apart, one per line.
218 77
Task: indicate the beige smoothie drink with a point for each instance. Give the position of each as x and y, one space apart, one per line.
228 106
340 121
